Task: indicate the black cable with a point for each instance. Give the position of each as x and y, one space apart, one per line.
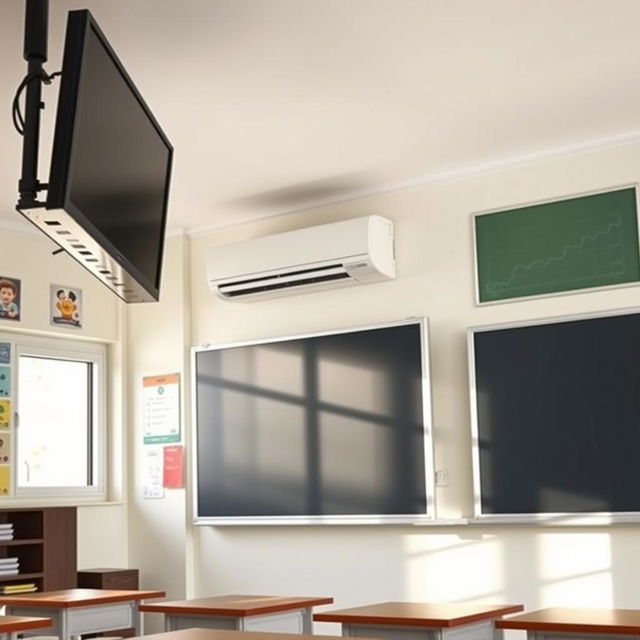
18 120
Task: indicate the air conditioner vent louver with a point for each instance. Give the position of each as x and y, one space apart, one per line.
263 285
356 251
299 272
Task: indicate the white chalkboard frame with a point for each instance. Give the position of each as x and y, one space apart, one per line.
429 517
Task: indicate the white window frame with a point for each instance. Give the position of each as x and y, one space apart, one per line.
62 349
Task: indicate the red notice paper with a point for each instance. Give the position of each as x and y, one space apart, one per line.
173 476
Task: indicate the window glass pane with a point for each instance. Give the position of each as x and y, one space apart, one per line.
54 433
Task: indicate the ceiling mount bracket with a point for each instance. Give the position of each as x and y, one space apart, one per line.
35 53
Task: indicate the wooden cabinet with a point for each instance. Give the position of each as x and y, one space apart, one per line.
45 544
108 578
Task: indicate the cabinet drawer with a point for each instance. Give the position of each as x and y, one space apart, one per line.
121 580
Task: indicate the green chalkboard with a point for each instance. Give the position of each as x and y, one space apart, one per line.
578 243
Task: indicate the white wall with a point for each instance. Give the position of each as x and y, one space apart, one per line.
28 257
158 336
591 566
534 565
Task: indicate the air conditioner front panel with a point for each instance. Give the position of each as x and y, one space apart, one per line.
323 244
354 251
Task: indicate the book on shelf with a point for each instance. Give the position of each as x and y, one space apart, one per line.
8 567
9 572
6 536
6 525
18 588
12 560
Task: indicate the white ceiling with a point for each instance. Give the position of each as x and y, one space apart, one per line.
276 105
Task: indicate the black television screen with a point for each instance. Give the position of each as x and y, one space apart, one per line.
325 428
110 169
556 417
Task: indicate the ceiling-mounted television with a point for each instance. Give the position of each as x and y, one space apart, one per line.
110 169
327 428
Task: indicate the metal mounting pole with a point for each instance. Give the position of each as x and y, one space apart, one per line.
35 53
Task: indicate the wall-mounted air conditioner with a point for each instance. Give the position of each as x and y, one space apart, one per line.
356 251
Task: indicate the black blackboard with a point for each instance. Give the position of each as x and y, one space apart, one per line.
313 427
576 243
557 417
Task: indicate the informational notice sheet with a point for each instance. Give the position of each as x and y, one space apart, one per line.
173 477
152 472
161 400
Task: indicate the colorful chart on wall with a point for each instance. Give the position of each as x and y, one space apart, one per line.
578 243
5 479
5 382
5 448
161 399
5 413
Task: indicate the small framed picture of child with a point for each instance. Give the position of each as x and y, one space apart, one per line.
66 306
9 298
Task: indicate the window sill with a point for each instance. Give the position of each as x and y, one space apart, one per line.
19 502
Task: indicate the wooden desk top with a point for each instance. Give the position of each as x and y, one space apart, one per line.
21 623
76 597
238 606
622 621
418 614
198 633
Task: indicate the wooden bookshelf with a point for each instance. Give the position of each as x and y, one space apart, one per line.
45 543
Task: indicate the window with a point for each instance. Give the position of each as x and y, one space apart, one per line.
58 424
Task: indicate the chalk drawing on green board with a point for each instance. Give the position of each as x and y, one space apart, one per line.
545 264
590 241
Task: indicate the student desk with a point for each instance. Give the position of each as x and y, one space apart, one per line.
420 620
77 611
11 625
240 612
197 633
589 624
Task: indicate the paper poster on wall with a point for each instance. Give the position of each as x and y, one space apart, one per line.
161 400
9 298
5 413
5 353
66 306
173 467
152 472
5 479
5 382
5 448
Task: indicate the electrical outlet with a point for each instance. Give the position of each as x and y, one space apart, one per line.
442 478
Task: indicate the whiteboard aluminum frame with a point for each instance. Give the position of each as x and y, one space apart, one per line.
556 519
552 294
370 519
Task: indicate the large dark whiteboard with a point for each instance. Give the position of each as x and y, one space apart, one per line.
307 428
557 417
